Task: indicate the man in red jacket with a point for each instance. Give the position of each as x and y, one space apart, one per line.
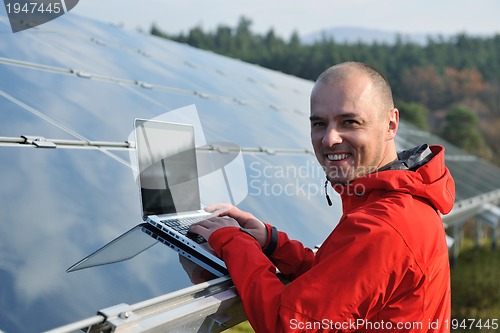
385 265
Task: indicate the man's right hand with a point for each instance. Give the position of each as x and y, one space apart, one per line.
245 219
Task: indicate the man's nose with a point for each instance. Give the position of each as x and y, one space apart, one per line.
332 137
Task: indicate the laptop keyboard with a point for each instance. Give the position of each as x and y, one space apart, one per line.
182 225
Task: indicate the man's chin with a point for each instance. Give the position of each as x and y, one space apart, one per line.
339 177
339 181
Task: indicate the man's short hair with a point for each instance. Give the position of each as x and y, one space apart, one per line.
343 70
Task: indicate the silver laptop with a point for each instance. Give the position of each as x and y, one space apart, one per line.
170 200
169 188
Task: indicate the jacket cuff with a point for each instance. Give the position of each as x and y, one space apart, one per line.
222 236
272 240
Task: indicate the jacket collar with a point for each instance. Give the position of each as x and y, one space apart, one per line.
419 171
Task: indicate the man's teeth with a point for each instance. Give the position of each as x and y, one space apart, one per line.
337 157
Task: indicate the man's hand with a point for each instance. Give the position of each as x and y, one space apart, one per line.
230 215
196 274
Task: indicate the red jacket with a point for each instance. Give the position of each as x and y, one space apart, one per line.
384 268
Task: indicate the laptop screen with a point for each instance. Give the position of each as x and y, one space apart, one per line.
168 172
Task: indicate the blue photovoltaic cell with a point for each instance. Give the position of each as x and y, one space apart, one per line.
65 204
16 120
95 110
236 123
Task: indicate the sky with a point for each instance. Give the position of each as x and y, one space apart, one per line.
303 16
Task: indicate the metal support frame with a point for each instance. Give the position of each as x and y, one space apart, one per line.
209 307
42 142
491 217
479 206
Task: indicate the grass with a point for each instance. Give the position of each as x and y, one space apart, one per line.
243 327
475 283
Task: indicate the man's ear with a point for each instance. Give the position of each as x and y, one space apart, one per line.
393 123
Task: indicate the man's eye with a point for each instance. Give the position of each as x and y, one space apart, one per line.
317 124
350 122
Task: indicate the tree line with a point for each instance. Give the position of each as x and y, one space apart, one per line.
447 86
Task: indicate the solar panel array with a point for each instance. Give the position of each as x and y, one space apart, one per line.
78 85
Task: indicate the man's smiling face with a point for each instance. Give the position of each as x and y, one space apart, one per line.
349 131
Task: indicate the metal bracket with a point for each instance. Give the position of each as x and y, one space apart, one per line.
38 141
267 150
220 322
120 317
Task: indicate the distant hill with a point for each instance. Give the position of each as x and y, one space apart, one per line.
353 35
